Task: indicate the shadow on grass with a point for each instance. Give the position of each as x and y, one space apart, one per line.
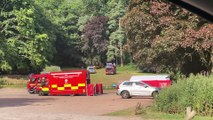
138 97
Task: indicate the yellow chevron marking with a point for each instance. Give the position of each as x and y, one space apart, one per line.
45 89
60 88
54 86
67 85
74 87
81 84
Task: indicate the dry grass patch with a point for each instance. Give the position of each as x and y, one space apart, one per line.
14 81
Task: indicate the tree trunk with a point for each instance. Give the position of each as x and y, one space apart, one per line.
131 58
121 55
211 60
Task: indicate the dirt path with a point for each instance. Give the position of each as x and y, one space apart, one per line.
17 104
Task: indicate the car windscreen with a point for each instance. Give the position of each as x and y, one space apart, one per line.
127 83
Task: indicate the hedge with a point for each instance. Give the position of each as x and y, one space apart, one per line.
195 91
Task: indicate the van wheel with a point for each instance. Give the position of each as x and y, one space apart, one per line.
155 94
125 95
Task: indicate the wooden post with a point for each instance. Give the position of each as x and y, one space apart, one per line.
189 113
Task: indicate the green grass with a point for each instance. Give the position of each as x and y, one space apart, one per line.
126 112
123 73
152 114
129 67
107 80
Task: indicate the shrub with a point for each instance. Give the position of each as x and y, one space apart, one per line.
139 109
2 83
51 69
195 91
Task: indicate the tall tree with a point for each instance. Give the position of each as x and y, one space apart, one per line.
117 37
95 40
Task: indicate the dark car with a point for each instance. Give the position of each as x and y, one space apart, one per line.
110 69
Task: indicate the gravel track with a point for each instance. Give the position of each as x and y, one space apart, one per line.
18 104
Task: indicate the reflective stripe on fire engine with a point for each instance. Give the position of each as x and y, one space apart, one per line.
45 89
67 85
74 87
81 84
60 88
54 86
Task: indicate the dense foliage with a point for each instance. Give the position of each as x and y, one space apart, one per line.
64 16
24 40
195 92
166 37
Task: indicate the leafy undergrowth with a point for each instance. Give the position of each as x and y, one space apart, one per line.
51 69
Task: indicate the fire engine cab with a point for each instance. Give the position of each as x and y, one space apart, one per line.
60 83
34 84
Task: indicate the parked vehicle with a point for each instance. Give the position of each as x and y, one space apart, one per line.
158 81
128 89
110 69
59 83
91 69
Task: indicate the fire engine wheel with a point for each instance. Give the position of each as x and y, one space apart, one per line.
31 92
125 95
155 94
41 93
35 91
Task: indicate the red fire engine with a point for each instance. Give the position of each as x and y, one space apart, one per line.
60 83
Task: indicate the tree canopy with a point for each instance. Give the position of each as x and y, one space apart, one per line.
166 37
25 44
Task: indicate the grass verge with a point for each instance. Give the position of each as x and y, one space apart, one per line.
151 114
